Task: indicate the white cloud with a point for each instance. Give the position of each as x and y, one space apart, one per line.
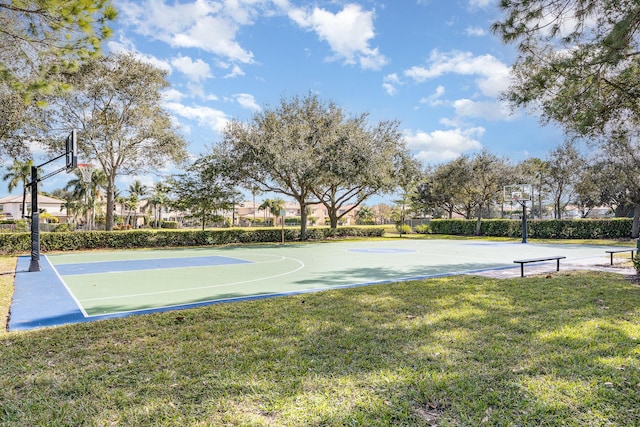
485 110
205 116
434 99
124 181
202 24
125 45
195 71
172 95
443 145
480 3
493 75
348 33
236 71
390 83
475 31
247 101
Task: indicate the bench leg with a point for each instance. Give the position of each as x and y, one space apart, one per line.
558 265
522 269
611 258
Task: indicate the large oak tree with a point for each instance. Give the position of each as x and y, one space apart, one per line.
311 151
116 105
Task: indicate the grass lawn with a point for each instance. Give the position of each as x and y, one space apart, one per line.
457 351
7 273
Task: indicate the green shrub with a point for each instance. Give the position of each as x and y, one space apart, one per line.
403 228
150 238
169 224
61 228
615 228
421 229
636 263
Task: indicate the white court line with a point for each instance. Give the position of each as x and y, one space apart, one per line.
210 286
76 300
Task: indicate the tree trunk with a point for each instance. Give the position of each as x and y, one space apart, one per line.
479 221
303 220
333 219
635 228
110 202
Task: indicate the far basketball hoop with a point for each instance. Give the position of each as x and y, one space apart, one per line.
519 193
86 170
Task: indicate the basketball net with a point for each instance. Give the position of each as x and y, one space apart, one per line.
86 170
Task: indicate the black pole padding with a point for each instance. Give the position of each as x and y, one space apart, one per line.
524 222
34 265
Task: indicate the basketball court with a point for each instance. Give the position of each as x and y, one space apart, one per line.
85 286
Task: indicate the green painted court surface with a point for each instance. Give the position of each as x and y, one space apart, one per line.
112 282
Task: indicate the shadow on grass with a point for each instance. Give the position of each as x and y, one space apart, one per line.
449 351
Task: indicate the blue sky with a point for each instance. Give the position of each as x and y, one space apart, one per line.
431 64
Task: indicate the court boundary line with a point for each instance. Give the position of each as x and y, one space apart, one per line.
284 294
73 296
301 266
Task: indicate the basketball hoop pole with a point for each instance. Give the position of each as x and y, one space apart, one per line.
34 265
524 221
70 154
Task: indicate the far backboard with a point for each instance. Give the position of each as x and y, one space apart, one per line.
71 150
517 193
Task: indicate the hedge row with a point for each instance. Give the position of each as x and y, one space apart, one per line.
615 228
64 241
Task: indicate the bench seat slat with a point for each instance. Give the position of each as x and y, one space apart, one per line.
616 251
522 262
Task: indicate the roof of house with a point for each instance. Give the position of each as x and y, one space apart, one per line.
41 199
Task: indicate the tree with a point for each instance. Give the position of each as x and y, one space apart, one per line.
18 123
578 61
355 161
274 206
407 174
534 171
116 105
564 164
71 205
625 159
157 200
40 40
308 150
437 190
488 178
365 215
202 190
137 191
88 194
19 173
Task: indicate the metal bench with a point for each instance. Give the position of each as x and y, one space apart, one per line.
615 251
522 262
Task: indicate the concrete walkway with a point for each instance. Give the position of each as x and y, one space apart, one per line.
620 266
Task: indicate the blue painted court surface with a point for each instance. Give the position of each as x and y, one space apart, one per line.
85 286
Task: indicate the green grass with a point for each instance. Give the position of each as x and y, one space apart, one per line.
7 275
458 351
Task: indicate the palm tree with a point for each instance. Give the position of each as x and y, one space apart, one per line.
254 192
274 206
365 215
19 172
137 191
157 201
120 200
88 194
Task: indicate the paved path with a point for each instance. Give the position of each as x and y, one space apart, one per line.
619 266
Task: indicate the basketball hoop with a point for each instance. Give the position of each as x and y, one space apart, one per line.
86 170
